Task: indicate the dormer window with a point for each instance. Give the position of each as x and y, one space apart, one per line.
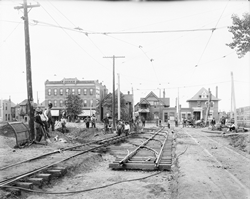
204 94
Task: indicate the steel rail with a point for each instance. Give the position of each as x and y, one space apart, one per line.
53 152
157 162
13 179
127 157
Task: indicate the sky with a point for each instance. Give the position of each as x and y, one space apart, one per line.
179 46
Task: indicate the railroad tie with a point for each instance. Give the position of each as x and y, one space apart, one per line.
55 172
27 185
45 176
36 181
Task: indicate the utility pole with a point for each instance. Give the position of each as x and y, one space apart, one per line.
208 106
233 102
113 101
118 97
28 66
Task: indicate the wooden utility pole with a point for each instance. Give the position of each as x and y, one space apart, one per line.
208 106
118 98
113 101
28 66
233 102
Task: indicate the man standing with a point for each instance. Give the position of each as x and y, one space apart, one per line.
93 121
50 119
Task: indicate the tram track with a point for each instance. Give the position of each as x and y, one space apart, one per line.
7 178
154 153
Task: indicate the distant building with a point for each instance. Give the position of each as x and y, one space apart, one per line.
90 91
152 107
243 116
21 111
199 103
128 103
6 113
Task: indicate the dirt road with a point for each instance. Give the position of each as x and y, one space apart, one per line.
208 167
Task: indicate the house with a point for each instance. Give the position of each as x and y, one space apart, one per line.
7 113
152 107
198 105
21 111
107 110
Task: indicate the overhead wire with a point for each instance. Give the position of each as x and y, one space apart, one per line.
211 36
73 39
10 34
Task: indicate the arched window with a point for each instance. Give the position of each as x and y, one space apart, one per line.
61 91
49 91
55 91
55 103
79 91
84 103
85 91
73 91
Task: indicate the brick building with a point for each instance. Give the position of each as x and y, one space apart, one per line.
90 91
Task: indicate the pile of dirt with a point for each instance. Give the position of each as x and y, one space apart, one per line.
242 142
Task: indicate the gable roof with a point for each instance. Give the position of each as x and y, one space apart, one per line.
144 101
202 91
151 94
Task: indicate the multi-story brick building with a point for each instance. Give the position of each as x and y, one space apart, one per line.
90 91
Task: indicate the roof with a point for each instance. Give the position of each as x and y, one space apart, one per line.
164 101
202 95
7 101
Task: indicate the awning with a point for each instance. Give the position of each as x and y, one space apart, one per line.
87 113
54 112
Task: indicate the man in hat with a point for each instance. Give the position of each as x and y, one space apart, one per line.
50 118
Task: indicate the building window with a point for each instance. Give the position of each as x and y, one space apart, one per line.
79 91
85 91
198 103
49 102
49 91
55 91
84 103
73 91
61 91
91 103
55 103
61 103
6 107
204 94
67 91
91 91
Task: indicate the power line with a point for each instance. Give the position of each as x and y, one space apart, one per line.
72 38
211 36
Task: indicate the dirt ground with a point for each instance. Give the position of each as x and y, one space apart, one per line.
206 165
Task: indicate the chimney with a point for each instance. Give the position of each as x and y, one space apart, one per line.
128 92
164 93
216 91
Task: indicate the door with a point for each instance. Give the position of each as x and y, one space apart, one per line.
197 115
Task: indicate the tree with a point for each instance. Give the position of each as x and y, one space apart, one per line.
107 103
73 105
241 34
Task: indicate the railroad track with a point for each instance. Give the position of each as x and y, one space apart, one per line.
153 152
40 171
